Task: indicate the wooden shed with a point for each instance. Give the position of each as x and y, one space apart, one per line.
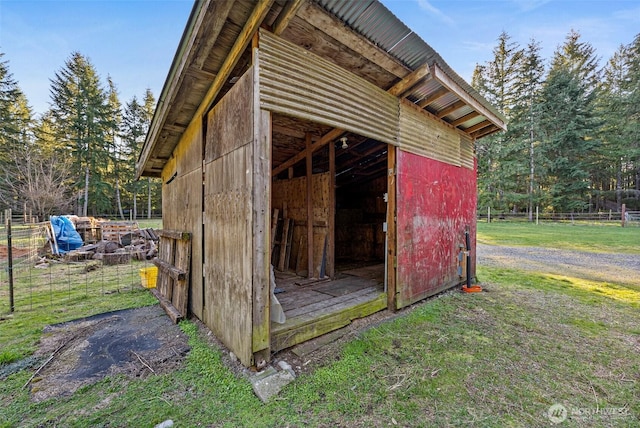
323 138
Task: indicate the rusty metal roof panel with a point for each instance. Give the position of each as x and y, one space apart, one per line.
369 18
378 24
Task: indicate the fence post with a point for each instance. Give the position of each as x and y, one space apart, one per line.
488 214
536 214
7 215
623 214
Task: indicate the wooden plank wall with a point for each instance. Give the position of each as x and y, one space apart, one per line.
182 205
292 194
228 219
359 231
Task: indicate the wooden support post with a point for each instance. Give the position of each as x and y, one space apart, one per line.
331 221
391 227
7 215
309 205
623 214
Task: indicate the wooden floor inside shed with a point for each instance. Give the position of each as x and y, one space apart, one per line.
313 308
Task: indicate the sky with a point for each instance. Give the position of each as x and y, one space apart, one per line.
134 41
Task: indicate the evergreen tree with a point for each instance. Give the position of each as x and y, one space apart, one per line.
154 185
133 131
613 154
525 122
81 120
569 123
500 163
631 87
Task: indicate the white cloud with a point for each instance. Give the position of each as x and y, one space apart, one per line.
428 7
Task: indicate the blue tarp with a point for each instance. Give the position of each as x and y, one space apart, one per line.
67 237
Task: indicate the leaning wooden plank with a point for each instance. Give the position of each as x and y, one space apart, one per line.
286 230
173 313
172 271
180 296
173 234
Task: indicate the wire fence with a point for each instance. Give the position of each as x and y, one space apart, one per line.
31 279
631 218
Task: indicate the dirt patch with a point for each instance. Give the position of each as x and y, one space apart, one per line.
15 252
134 342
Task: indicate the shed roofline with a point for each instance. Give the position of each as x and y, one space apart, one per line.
410 52
186 41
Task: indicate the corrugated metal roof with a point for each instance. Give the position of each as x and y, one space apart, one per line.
378 24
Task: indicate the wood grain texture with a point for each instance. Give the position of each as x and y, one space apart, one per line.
228 250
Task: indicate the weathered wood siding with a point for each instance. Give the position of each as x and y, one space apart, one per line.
435 202
228 219
182 205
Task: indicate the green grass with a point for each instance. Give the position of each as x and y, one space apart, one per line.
493 359
61 293
603 239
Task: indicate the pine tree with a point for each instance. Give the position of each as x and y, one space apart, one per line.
81 119
632 116
569 123
525 120
500 164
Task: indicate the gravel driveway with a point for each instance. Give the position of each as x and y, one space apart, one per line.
616 268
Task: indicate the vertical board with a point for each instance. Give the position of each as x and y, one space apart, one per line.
435 201
261 157
229 221
230 122
228 251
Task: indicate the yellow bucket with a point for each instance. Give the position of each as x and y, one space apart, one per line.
148 276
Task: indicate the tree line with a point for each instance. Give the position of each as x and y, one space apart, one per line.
79 156
573 138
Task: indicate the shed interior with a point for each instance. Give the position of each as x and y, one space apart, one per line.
349 212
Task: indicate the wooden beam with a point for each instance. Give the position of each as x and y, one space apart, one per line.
485 131
286 15
477 127
290 132
200 74
410 80
433 97
331 232
176 129
446 81
326 138
465 118
261 223
391 227
309 158
242 41
210 31
335 28
448 110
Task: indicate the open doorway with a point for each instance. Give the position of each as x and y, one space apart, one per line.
328 229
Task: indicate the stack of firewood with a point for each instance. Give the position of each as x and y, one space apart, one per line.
140 244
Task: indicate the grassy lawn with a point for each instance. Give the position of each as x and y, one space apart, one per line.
495 359
605 239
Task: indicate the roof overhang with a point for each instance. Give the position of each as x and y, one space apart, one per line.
214 51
